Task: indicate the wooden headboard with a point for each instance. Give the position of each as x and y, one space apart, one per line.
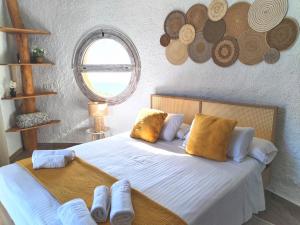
262 118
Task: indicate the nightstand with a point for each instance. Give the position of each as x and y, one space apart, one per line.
97 135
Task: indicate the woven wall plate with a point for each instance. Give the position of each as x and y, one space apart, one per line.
214 31
217 9
236 19
200 50
253 46
187 34
176 52
272 56
226 52
165 40
284 35
173 23
197 16
264 15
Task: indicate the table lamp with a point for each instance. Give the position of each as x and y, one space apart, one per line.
98 110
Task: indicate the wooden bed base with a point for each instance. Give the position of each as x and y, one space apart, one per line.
262 118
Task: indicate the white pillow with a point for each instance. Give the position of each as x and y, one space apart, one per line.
262 150
171 126
240 141
183 130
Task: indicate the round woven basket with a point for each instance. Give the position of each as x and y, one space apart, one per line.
165 40
272 56
253 46
187 34
226 52
236 19
176 52
214 31
217 9
173 23
197 16
284 35
200 50
264 15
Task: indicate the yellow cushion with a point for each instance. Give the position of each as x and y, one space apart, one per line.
148 125
210 137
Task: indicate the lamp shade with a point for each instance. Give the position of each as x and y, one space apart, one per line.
97 109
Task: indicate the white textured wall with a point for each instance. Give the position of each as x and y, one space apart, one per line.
142 21
9 142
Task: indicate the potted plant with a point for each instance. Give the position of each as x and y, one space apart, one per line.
38 55
12 87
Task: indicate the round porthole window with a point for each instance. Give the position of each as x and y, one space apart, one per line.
106 66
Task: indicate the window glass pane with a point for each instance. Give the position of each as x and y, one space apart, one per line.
106 51
107 84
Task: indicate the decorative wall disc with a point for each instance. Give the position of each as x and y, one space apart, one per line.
253 46
217 9
173 23
236 19
200 50
187 34
226 52
264 15
176 52
197 16
214 31
165 40
248 32
284 35
272 56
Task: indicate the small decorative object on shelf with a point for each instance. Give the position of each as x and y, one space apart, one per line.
38 55
18 58
12 87
31 119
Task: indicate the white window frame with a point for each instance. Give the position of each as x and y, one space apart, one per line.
78 66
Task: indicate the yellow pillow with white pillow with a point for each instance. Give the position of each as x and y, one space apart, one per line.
210 137
148 125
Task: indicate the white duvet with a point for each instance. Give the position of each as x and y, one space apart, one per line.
200 191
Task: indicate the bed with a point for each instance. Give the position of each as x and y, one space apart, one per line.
200 191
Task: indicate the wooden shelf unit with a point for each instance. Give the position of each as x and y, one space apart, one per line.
14 30
16 129
29 135
27 64
20 97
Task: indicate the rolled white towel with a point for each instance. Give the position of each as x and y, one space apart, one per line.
49 162
122 212
68 154
101 204
75 212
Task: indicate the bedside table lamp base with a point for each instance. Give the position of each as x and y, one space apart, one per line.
97 111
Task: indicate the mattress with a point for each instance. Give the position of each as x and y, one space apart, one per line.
200 191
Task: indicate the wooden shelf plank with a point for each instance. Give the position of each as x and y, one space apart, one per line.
27 64
16 129
19 97
23 31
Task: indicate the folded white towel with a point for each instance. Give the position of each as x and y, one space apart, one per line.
49 162
122 212
101 204
68 154
75 212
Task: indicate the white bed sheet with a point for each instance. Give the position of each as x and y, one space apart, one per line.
200 191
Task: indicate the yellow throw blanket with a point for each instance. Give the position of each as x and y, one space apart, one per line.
79 179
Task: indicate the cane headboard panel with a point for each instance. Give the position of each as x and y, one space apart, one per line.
262 118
